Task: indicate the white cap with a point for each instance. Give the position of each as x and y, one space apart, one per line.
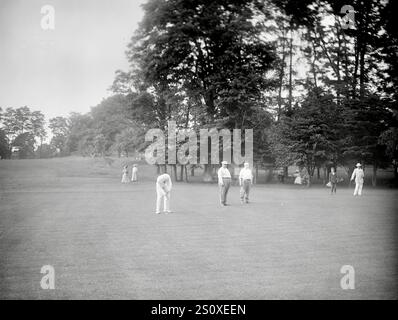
358 164
224 162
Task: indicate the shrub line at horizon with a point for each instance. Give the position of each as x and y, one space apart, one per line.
186 152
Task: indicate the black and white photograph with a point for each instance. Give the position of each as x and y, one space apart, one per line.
180 150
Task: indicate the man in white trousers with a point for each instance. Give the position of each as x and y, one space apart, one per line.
245 182
358 175
163 190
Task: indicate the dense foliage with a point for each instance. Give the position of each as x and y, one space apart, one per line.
317 91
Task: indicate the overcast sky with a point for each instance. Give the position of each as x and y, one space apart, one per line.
71 67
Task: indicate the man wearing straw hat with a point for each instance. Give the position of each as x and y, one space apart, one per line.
224 182
358 175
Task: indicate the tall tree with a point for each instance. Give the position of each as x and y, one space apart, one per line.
365 122
310 137
211 52
79 125
357 66
38 130
60 130
26 144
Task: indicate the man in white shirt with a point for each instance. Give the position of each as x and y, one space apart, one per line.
163 190
359 175
224 182
245 181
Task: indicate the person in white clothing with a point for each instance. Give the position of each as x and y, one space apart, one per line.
245 181
358 175
125 178
163 190
224 182
134 173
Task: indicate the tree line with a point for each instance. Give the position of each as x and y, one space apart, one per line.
21 127
316 91
108 128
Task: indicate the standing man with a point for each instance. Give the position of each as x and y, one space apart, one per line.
359 175
134 175
245 181
163 190
224 182
333 180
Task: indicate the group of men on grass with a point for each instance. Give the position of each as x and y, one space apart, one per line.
164 184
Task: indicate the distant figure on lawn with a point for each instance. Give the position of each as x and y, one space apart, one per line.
245 182
134 173
333 180
358 175
125 178
163 191
224 182
297 176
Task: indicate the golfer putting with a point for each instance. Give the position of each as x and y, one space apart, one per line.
163 191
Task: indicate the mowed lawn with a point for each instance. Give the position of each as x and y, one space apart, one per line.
105 241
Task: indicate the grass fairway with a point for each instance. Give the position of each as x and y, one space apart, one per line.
105 241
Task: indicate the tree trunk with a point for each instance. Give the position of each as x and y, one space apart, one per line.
291 71
310 174
281 75
270 173
318 173
207 175
338 56
182 173
41 147
186 173
355 74
256 179
325 174
349 173
192 171
362 73
313 62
